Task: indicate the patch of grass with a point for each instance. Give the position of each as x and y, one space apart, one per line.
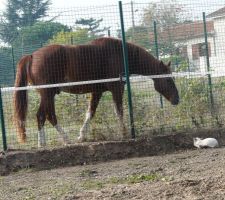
136 178
134 164
93 185
28 193
173 161
132 179
27 169
88 173
58 190
138 165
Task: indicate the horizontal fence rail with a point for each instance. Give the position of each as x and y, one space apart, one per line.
34 87
132 78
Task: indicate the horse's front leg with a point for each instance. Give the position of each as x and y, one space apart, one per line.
93 104
62 134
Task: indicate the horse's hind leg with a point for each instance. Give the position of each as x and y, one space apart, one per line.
117 94
95 97
47 110
41 118
51 116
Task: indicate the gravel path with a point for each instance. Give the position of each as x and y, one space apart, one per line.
193 174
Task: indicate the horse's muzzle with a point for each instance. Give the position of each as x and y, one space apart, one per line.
175 100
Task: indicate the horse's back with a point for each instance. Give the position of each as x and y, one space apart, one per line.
68 63
48 65
101 59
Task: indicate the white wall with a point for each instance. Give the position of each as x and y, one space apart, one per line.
217 60
217 44
219 27
200 40
217 66
199 63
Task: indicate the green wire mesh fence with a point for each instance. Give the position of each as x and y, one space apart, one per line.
189 34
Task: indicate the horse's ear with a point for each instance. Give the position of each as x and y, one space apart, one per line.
169 63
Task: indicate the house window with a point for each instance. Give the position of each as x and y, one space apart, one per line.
202 49
199 50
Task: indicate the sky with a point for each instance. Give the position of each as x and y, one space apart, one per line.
68 11
73 3
84 3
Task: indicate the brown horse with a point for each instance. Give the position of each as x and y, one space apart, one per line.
101 59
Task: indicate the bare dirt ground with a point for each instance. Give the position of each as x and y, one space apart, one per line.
192 174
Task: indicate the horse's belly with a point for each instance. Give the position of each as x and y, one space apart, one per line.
82 89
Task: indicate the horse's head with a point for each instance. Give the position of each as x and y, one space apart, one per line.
166 86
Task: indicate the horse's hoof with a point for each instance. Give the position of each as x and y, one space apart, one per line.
22 141
64 140
67 143
81 139
41 145
126 137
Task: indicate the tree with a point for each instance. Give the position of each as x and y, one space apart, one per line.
6 67
39 33
92 25
139 35
79 36
87 30
30 38
164 13
20 13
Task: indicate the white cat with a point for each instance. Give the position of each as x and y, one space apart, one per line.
207 142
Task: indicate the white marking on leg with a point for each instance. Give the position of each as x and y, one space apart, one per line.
62 134
84 128
41 138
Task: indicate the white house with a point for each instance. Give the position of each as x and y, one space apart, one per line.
190 40
217 60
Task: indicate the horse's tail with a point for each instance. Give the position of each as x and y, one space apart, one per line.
20 96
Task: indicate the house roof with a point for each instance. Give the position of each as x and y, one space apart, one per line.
184 31
217 13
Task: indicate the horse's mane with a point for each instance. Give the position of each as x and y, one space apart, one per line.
135 51
116 43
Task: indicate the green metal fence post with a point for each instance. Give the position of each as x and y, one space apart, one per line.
4 141
13 63
207 62
157 55
109 33
71 40
125 58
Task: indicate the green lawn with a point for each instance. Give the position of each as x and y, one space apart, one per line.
194 111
